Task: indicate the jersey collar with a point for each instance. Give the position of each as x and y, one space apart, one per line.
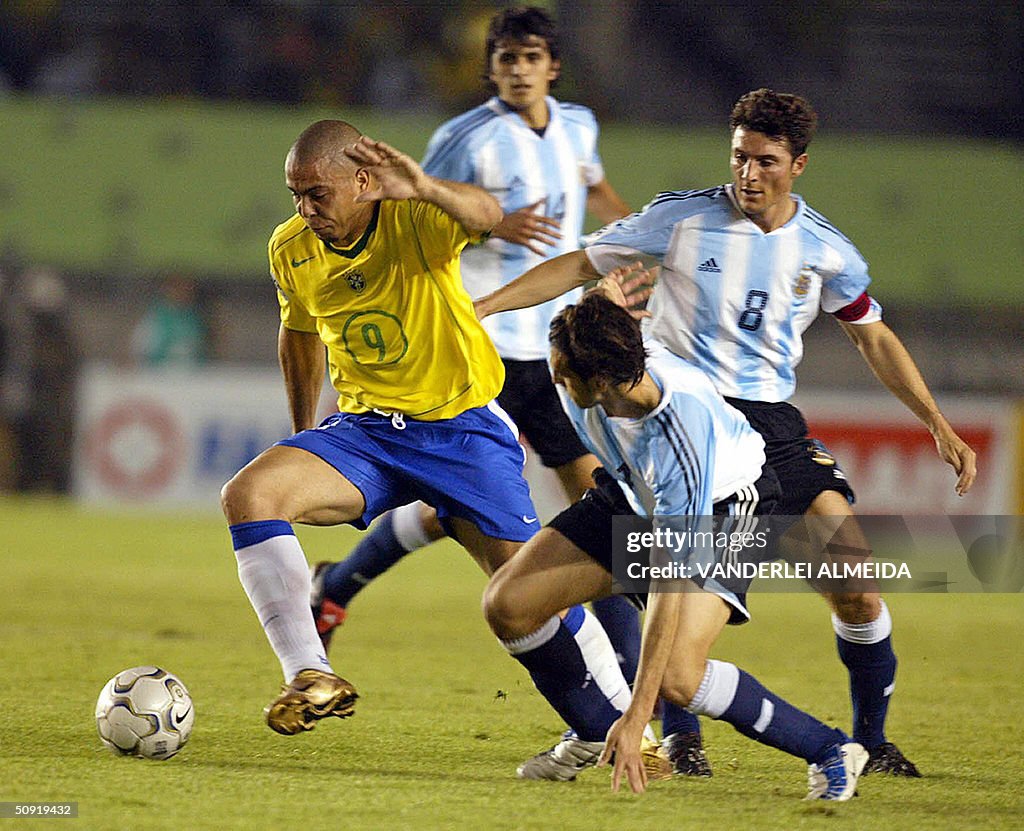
793 220
501 108
360 243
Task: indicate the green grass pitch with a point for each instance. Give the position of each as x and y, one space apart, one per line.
445 715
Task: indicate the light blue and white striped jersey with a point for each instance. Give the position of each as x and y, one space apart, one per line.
492 147
731 298
688 453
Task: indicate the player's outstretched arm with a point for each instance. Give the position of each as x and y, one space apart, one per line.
551 278
661 624
303 363
894 367
399 176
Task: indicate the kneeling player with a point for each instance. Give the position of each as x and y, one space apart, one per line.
665 433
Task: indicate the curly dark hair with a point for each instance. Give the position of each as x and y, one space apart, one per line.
778 115
599 338
517 24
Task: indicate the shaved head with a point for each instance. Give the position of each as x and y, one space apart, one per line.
325 182
323 140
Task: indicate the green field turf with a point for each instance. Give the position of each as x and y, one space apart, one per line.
434 744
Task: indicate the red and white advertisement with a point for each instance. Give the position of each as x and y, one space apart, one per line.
172 437
891 461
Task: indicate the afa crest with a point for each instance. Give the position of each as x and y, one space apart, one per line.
823 456
803 281
355 280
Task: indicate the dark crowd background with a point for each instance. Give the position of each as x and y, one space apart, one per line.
892 65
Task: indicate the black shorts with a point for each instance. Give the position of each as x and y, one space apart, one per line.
588 524
805 467
530 398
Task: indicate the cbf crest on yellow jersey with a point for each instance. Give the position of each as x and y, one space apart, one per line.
400 329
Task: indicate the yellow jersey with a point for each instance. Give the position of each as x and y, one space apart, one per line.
399 327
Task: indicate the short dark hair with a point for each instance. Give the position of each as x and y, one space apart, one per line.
324 139
599 339
517 24
778 115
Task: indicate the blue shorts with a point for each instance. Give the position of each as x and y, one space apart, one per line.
470 466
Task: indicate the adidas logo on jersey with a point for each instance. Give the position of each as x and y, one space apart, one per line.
709 265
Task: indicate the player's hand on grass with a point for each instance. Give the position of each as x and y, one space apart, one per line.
629 286
529 228
396 175
623 743
955 451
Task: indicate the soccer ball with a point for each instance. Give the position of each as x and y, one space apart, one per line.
145 711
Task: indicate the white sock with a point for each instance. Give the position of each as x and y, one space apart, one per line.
717 689
603 665
865 633
275 576
408 527
528 643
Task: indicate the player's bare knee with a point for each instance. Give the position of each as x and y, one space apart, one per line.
498 611
856 607
231 499
507 610
682 679
242 501
430 523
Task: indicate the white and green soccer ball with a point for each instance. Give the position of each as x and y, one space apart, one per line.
145 711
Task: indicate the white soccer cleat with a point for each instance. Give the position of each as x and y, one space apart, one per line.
563 761
836 777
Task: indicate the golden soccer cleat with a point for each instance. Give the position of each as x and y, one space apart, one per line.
656 763
311 696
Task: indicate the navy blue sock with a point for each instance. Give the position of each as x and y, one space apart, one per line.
621 621
675 719
377 551
762 716
872 669
560 674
